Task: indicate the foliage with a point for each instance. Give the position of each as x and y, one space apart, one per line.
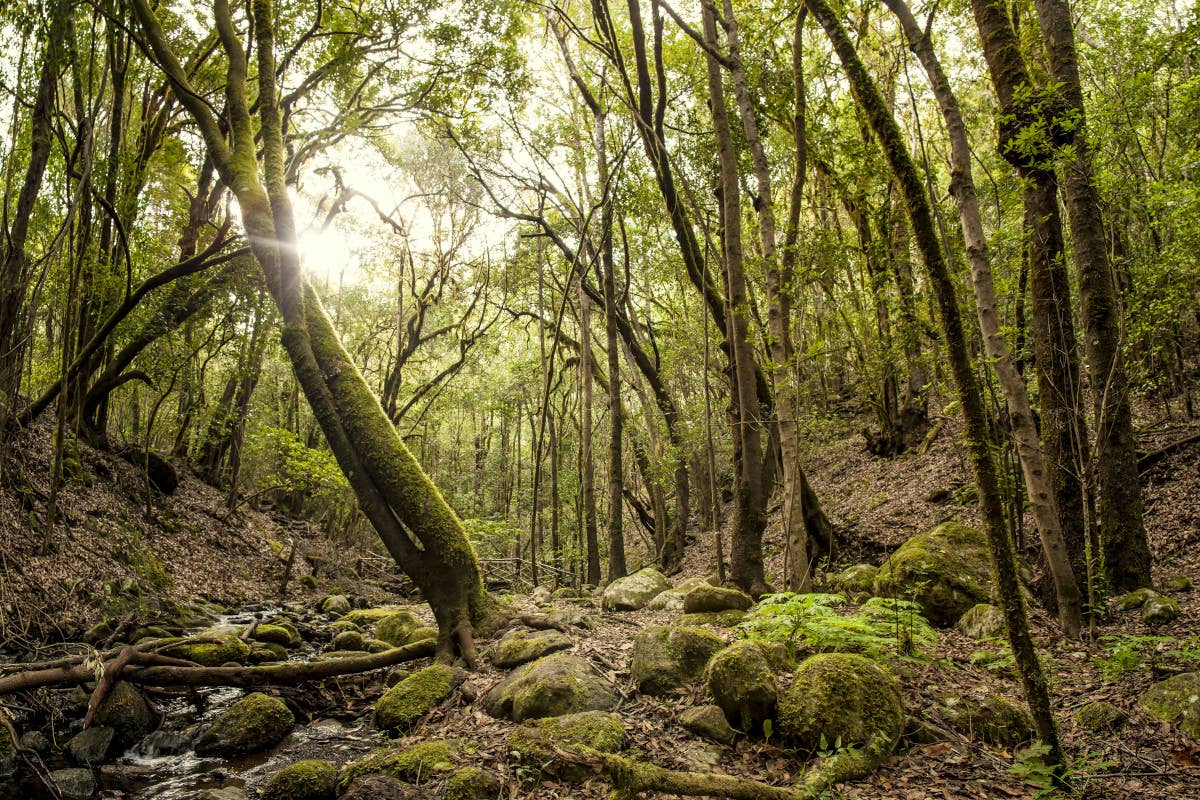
1124 653
286 464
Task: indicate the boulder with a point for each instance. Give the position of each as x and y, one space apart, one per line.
946 571
991 718
471 783
667 657
705 599
364 617
90 747
128 713
230 649
396 627
1176 700
719 619
842 697
1135 599
540 595
549 687
73 784
1160 610
419 763
421 634
279 634
633 592
982 621
742 682
856 578
670 600
303 780
336 604
415 696
708 721
254 723
519 647
1178 583
1100 717
348 640
381 787
535 740
30 740
700 756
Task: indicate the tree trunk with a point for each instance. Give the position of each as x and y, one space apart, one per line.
587 478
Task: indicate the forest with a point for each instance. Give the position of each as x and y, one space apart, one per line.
777 400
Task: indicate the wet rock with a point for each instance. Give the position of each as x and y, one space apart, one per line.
1176 700
223 793
982 621
705 599
708 721
348 640
267 652
519 647
303 780
719 619
668 657
90 747
946 571
992 718
35 741
230 649
633 592
1160 610
128 713
415 696
254 723
336 604
841 696
549 687
381 787
742 682
857 578
534 741
1100 717
164 743
396 627
285 636
74 784
419 763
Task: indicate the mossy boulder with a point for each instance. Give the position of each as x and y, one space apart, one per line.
668 657
705 599
1160 610
76 783
708 721
471 783
534 742
946 571
348 640
365 617
304 780
340 625
376 645
415 696
633 592
230 649
856 578
1135 600
285 636
519 647
1178 583
1176 700
982 621
336 604
1100 717
91 746
421 634
841 697
128 713
670 600
991 718
718 619
396 627
742 682
549 687
266 653
381 787
254 723
419 763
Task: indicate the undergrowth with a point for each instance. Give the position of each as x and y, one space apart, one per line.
818 623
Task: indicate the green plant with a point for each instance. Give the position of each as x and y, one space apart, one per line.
1125 653
1053 782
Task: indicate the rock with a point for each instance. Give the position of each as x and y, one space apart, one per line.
90 747
396 627
670 600
223 793
706 599
308 582
381 787
1178 583
363 617
1100 717
211 654
982 621
419 763
376 645
946 571
701 756
35 741
471 783
1160 610
276 634
99 632
415 696
303 780
687 584
74 784
519 647
421 634
633 592
720 619
992 718
340 625
549 687
348 640
8 754
857 578
254 723
336 604
267 652
708 721
742 683
534 741
164 743
666 658
1176 700
540 595
1135 599
128 713
842 697
395 675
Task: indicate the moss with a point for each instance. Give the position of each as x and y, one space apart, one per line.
253 723
8 753
127 712
1135 599
424 633
1176 700
276 634
304 780
471 783
742 682
706 599
308 582
1160 610
840 697
396 627
363 617
348 640
982 621
563 592
211 654
412 698
666 658
992 718
720 619
557 684
343 625
99 632
376 645
946 571
535 741
1099 717
519 647
858 578
416 764
267 652
1178 583
336 604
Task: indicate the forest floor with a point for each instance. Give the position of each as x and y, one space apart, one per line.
53 588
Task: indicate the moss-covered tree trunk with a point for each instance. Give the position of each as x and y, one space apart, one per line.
891 139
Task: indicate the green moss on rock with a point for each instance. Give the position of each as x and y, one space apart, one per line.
1135 599
471 783
285 636
718 619
128 713
534 741
634 591
230 648
336 604
414 697
416 764
946 571
254 723
1160 610
704 598
8 754
396 627
305 780
348 640
1099 717
364 617
992 718
1176 700
668 657
549 687
742 682
982 621
421 634
840 696
856 578
519 647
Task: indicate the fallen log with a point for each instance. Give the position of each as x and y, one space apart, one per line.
1147 460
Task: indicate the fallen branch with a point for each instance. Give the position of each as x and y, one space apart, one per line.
1147 460
112 672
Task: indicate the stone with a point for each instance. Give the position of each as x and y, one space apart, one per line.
535 740
128 713
1135 599
1178 583
670 600
164 743
415 696
276 634
633 592
705 599
35 741
223 793
946 571
8 754
667 657
267 652
708 721
856 578
365 617
348 640
254 723
540 595
841 697
421 634
471 783
1160 610
230 649
304 780
337 605
558 684
74 784
90 747
396 627
308 582
982 621
519 647
419 763
1176 700
991 718
381 787
701 756
742 682
719 619
1100 717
